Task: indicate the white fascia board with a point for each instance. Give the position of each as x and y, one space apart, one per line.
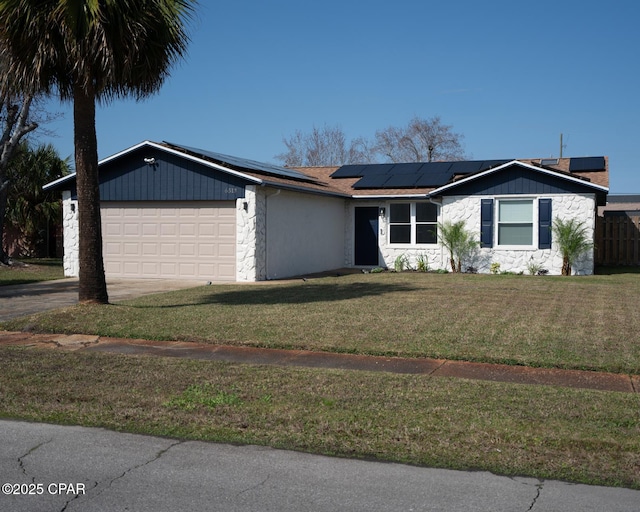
167 150
59 180
391 196
521 164
188 157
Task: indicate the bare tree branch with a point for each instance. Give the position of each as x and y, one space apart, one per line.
326 146
422 140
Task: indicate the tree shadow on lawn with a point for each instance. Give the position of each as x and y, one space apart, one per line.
301 294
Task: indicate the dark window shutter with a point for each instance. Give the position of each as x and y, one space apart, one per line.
486 223
544 223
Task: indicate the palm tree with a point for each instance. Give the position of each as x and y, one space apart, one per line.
572 239
29 208
88 51
458 241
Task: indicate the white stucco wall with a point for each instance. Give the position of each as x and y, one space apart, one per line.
71 238
304 233
455 208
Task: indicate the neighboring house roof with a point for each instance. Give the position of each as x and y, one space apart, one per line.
621 204
377 180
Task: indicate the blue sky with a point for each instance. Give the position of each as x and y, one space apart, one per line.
510 76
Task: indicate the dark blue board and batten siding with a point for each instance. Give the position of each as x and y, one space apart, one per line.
517 180
169 178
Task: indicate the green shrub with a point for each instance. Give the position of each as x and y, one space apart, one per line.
422 263
572 239
458 241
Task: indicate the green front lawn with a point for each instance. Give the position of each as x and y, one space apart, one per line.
564 322
31 271
538 431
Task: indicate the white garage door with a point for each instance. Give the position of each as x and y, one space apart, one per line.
170 240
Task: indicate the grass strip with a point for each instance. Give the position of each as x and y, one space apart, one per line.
31 271
544 432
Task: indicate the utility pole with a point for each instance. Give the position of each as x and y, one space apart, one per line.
561 146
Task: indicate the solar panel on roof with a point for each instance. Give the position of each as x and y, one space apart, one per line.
401 180
378 169
411 168
372 181
419 174
247 164
436 167
349 171
433 179
590 163
466 167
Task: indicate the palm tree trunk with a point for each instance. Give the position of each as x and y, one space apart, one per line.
4 257
92 285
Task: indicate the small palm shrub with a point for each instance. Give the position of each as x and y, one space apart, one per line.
573 240
458 241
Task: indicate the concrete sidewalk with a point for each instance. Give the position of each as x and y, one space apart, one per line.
433 367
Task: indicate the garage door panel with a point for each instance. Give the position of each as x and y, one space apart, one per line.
226 272
150 229
187 249
150 249
226 250
169 249
168 229
206 250
171 240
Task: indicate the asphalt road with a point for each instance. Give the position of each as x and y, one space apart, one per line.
66 468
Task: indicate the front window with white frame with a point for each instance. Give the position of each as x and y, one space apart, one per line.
515 222
413 223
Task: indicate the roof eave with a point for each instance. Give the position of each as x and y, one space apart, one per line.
448 186
147 143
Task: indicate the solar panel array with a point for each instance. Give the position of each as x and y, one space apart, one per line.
589 163
243 163
409 175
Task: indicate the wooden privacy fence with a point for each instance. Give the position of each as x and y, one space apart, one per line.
617 240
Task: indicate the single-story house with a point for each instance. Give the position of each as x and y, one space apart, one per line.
172 211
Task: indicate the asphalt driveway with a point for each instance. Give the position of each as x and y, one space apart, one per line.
26 299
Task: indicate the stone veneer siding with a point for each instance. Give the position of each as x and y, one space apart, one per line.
71 238
251 235
467 208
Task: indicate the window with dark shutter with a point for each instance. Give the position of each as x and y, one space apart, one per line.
486 223
544 223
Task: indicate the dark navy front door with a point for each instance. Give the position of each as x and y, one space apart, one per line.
366 236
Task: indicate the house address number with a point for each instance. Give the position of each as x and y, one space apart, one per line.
231 190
